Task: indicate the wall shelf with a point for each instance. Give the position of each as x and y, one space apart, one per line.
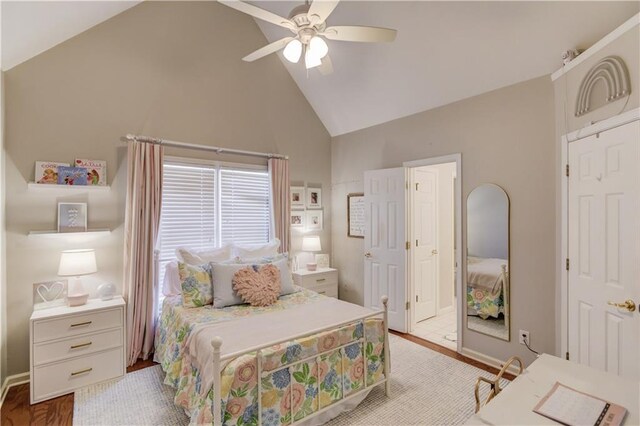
56 234
39 186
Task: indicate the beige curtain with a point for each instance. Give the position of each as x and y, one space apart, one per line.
142 222
281 205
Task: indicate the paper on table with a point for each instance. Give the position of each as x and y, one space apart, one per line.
572 407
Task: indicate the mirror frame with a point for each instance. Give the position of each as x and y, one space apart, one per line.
507 295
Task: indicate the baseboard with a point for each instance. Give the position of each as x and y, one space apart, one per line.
10 381
489 360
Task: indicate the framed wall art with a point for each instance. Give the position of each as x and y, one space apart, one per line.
355 215
297 197
297 219
314 220
72 217
314 198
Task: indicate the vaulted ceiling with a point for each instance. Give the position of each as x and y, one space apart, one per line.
444 51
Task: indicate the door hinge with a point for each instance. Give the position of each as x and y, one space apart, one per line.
408 245
567 264
406 185
566 170
416 243
408 305
417 183
416 298
567 356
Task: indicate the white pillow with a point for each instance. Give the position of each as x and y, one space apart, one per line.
256 250
222 278
203 257
171 283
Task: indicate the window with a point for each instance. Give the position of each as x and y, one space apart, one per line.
207 204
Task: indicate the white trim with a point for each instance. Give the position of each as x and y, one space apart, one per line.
488 360
565 140
452 158
11 381
613 35
173 159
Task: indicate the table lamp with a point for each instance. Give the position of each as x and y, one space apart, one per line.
75 263
311 243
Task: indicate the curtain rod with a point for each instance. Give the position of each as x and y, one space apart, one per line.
217 150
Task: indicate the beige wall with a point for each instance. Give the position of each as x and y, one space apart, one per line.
566 89
505 137
165 69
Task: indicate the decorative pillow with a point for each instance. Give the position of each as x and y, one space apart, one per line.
195 282
256 250
171 283
222 277
281 261
258 285
202 257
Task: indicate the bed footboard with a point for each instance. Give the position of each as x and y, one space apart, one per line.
216 344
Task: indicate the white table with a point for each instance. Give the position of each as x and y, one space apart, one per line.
514 405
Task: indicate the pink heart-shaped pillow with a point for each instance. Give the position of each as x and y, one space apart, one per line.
258 285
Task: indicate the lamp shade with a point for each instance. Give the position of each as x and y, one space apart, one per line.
74 263
311 243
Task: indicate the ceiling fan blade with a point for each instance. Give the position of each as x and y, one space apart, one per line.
268 49
361 34
327 66
320 10
256 12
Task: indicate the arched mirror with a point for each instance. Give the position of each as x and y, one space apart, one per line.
488 261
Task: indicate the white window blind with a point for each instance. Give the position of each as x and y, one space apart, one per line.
205 205
244 206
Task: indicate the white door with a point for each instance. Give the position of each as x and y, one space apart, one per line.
424 187
604 250
385 243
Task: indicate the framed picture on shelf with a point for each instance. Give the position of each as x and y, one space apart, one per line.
297 197
322 259
72 217
297 219
314 198
314 220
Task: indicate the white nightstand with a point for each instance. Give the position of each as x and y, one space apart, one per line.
323 280
73 347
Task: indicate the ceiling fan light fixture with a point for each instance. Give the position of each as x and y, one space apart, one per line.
311 60
293 51
319 47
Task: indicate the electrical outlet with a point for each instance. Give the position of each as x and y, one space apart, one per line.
523 337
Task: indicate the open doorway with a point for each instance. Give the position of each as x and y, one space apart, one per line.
432 262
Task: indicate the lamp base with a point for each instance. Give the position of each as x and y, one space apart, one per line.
312 266
77 295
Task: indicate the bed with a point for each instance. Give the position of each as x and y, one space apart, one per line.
304 359
487 286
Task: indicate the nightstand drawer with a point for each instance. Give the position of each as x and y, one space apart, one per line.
319 279
330 290
62 377
73 325
75 346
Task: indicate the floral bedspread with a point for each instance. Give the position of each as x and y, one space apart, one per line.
485 303
295 381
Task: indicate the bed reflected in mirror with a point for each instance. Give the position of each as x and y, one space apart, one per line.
488 261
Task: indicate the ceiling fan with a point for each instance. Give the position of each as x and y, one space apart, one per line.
308 24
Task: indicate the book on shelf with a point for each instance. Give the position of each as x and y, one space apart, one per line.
72 176
571 407
96 171
47 172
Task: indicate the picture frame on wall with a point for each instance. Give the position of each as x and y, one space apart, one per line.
298 219
314 198
297 197
72 217
355 215
314 220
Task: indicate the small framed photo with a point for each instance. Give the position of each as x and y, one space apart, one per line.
314 220
314 198
297 219
322 260
72 217
297 197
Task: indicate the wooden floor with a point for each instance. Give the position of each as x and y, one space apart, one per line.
16 410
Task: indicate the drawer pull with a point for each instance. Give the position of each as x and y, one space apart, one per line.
81 345
86 370
80 324
320 280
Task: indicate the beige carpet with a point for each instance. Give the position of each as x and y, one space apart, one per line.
428 389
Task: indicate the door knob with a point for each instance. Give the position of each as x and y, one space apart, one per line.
628 305
367 255
434 252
